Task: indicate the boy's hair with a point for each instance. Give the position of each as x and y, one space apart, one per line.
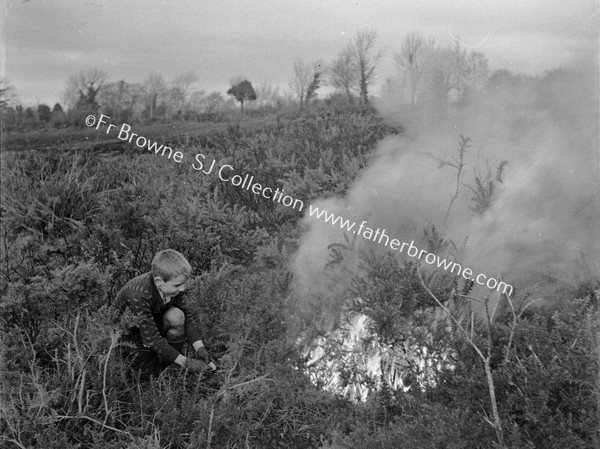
168 264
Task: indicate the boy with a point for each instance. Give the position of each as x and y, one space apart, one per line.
165 320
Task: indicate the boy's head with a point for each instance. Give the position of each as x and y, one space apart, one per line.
170 270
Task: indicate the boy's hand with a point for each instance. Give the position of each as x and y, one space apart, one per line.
195 366
203 354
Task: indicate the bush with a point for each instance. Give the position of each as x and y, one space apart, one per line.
76 227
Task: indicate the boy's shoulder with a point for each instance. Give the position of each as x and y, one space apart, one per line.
138 287
141 283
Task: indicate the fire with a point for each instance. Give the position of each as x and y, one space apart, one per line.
352 362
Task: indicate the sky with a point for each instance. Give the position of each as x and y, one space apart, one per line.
45 41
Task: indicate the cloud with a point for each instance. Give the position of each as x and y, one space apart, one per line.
261 38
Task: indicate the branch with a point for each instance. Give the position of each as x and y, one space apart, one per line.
12 440
482 301
512 330
497 424
454 320
516 318
264 376
60 417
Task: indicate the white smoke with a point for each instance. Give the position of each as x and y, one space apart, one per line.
543 225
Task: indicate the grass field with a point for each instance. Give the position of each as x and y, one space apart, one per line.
76 226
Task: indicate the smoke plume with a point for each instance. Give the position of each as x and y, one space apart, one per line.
541 229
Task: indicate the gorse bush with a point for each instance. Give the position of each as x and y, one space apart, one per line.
53 193
76 227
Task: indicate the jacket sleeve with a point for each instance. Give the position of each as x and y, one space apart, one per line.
149 332
192 329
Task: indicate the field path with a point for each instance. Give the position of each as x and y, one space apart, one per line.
98 140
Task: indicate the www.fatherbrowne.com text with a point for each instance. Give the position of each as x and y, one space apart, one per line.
380 236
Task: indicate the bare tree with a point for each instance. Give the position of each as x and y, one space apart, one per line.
363 48
301 79
306 81
266 94
197 100
453 72
411 61
7 93
82 89
458 68
441 74
181 89
437 74
216 103
343 73
119 99
209 102
154 89
477 73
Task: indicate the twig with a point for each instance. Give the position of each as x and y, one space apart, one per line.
515 321
210 422
459 165
512 330
452 317
76 346
143 420
81 388
527 305
241 384
95 421
496 305
482 301
113 341
12 440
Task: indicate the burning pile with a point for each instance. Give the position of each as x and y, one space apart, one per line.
520 203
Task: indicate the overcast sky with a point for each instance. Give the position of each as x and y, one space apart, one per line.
45 41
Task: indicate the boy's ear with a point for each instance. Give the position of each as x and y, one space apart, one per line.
158 281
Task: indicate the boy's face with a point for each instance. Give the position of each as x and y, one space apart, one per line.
173 287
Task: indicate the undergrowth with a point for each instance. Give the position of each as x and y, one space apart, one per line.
77 226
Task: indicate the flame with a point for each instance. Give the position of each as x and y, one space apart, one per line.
352 362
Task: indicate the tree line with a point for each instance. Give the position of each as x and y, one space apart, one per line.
427 72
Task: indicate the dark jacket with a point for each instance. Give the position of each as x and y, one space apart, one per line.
142 297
